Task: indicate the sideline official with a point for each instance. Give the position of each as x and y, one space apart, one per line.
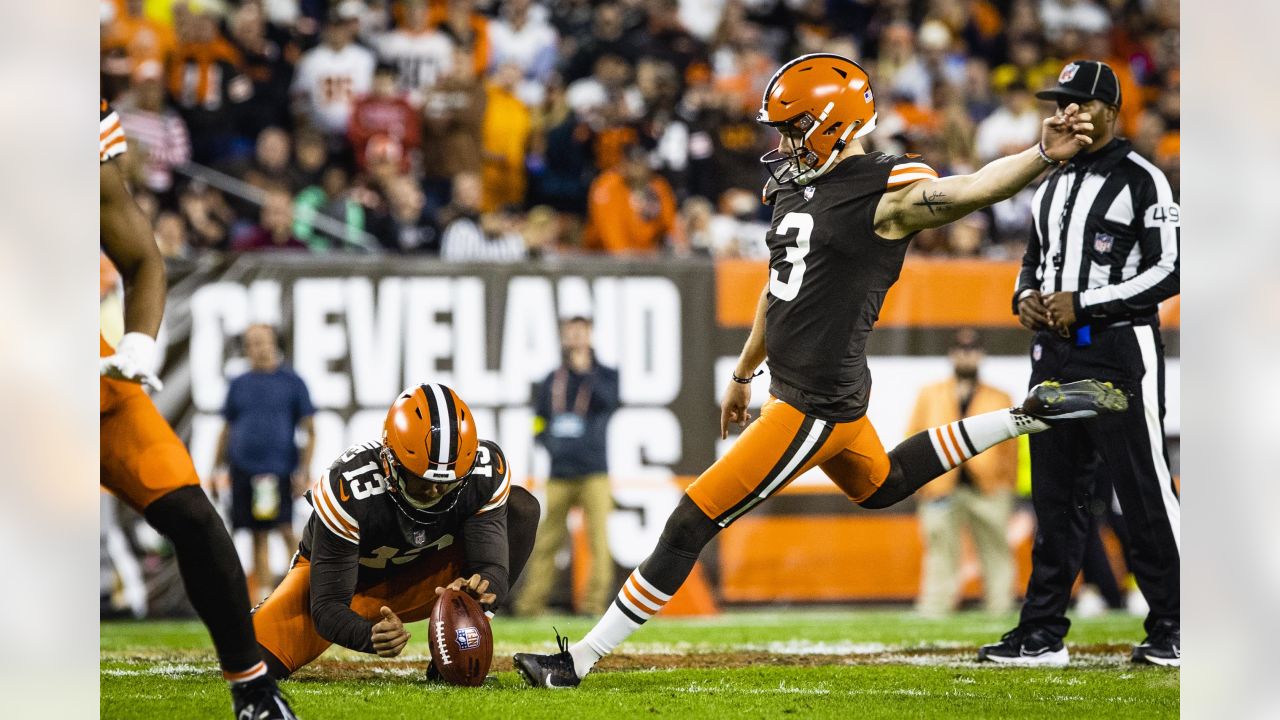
1103 253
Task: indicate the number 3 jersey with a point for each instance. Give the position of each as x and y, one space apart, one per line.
828 274
358 536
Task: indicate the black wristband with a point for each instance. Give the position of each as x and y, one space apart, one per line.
745 380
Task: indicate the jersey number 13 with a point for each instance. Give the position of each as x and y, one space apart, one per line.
802 223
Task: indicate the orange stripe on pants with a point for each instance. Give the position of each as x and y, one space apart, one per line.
852 457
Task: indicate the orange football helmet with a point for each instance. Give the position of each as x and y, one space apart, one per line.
429 434
818 101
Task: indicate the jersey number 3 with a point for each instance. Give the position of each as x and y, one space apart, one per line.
802 223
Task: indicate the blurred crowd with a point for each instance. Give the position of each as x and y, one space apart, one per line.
502 130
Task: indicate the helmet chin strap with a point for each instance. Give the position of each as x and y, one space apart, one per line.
808 176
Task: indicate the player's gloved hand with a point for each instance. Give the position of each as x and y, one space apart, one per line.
734 407
1063 135
475 586
136 360
389 635
1031 311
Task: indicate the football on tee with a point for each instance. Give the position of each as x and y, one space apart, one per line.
461 639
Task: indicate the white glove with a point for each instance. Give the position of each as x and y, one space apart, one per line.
136 360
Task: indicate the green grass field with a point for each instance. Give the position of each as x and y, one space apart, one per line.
857 663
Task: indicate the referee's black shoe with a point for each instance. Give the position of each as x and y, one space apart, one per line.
1163 645
1026 648
1052 401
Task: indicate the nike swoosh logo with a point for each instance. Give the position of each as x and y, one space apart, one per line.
501 467
553 685
1023 652
342 492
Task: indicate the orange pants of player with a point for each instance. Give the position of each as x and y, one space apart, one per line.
780 445
142 460
283 621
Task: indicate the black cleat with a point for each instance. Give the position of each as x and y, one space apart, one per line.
1051 401
1162 647
260 699
548 671
1023 648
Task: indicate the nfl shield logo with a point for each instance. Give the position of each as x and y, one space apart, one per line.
1102 242
867 96
468 638
419 537
1036 352
808 193
1068 72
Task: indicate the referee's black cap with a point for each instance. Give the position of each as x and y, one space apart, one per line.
1085 80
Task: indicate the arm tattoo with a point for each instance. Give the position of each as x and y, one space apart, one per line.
932 200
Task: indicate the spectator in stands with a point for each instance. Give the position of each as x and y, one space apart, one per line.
669 39
505 139
332 198
267 64
407 226
1016 124
310 158
696 215
208 215
269 165
332 75
205 81
421 53
469 235
631 209
573 406
1026 63
1083 15
258 457
725 145
559 164
978 495
157 135
541 232
171 236
385 114
274 230
453 112
138 37
468 29
737 230
661 126
608 37
521 36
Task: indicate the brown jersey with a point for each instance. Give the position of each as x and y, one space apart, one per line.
828 274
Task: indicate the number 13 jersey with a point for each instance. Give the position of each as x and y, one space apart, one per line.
828 274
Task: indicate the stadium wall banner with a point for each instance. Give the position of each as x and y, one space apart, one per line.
359 329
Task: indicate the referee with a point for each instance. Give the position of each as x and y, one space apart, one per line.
1102 254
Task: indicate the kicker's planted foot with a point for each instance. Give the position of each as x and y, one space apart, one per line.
548 671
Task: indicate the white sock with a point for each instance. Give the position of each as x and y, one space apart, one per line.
244 676
958 441
638 601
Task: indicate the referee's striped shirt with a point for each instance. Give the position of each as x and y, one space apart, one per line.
1106 227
